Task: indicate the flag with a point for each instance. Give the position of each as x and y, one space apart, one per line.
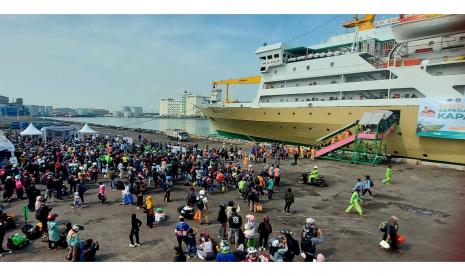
26 213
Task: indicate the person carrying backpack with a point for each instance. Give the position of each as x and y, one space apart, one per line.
390 231
202 205
367 185
311 237
191 198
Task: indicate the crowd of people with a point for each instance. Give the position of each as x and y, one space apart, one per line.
138 169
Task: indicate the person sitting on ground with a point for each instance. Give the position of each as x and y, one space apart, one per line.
205 249
225 255
90 250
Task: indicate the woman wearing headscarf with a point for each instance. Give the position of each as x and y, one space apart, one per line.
150 213
53 231
264 231
74 242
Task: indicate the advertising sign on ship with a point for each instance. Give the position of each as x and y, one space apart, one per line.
442 118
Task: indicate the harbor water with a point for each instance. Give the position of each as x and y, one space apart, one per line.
200 127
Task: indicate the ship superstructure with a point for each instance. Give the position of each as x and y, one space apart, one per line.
307 92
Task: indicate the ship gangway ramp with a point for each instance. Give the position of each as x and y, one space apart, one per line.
361 141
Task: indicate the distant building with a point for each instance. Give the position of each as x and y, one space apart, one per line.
117 114
3 100
91 112
63 112
19 101
170 107
192 103
137 111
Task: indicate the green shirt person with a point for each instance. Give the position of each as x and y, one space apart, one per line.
355 202
241 185
388 177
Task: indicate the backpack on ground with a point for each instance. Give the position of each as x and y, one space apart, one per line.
383 226
17 241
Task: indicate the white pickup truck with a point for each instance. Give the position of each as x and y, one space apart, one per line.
177 134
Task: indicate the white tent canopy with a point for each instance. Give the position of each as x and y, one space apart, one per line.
6 145
31 130
87 130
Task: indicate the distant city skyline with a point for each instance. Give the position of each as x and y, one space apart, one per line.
110 61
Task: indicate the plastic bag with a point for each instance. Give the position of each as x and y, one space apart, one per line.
400 239
384 244
197 215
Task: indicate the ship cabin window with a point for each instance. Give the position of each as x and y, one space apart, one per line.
308 67
293 69
282 85
331 64
431 43
269 57
263 58
281 100
276 55
407 96
262 69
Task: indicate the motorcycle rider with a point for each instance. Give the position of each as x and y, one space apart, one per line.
313 174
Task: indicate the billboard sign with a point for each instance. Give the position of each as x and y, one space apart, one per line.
442 118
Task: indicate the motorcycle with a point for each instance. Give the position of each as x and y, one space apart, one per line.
320 181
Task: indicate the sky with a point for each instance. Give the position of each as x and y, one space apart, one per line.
107 61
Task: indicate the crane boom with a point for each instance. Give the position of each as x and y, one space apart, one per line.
245 80
364 24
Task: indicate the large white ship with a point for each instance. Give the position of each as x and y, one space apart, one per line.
306 93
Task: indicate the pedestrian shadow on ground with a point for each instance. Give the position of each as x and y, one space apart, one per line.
104 257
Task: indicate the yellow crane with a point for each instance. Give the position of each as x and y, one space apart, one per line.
363 24
246 80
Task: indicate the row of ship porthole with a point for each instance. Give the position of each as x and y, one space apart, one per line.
293 113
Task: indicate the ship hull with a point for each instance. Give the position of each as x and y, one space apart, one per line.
307 124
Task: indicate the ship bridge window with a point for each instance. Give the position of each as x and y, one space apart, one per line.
269 57
263 58
276 55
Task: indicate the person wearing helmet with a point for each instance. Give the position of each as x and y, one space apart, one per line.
311 237
249 231
252 255
314 174
282 248
225 255
53 231
202 205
